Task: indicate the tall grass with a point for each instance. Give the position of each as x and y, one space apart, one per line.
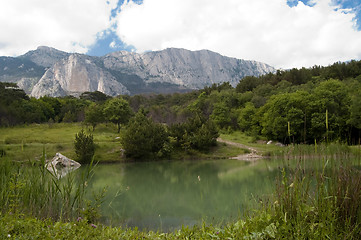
321 201
30 189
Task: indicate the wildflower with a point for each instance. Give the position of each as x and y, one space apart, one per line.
9 235
199 178
93 225
78 219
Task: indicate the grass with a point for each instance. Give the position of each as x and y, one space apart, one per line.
240 137
26 143
23 143
320 203
221 151
29 189
31 228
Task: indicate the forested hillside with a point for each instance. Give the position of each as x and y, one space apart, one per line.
297 105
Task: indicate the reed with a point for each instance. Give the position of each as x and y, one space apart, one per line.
318 197
30 189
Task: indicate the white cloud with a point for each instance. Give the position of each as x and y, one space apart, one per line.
113 44
262 30
68 25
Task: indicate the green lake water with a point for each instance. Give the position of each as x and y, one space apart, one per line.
166 195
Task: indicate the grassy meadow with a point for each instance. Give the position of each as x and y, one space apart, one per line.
27 142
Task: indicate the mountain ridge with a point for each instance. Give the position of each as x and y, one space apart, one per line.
170 70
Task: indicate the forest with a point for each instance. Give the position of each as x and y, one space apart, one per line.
311 105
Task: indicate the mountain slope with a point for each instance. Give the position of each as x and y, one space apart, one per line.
191 69
45 56
47 71
74 75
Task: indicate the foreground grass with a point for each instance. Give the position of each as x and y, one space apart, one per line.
15 227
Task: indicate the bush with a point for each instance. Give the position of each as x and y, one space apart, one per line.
195 134
84 147
145 139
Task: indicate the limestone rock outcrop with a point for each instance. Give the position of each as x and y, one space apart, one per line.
74 75
192 69
60 165
47 71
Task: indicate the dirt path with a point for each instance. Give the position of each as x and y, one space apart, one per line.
250 157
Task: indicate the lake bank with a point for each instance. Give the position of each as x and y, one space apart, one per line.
24 143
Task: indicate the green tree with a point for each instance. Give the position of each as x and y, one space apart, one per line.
145 139
196 133
221 114
248 83
204 137
355 119
72 109
246 118
284 108
54 104
117 111
331 95
32 111
94 115
94 96
84 147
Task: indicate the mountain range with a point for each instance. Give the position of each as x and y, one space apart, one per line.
48 71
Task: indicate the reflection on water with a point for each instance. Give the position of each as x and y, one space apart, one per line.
167 195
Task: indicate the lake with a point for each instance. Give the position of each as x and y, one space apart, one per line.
166 195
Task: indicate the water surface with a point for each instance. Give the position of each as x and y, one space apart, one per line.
166 195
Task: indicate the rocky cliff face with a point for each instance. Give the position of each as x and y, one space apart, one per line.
191 69
74 75
47 71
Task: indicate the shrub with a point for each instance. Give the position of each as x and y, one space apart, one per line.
195 134
84 147
145 139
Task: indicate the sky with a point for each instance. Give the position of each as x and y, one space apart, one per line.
282 33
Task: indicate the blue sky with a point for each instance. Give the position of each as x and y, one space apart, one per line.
282 33
103 44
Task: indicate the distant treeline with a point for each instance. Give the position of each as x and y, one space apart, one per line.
297 105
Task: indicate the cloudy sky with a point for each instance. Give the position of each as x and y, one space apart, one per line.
282 33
